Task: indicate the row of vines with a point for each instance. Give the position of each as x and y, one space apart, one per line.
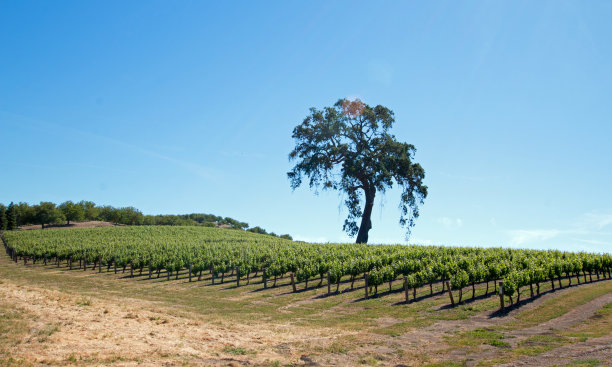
218 252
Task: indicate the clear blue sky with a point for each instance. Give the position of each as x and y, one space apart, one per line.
188 106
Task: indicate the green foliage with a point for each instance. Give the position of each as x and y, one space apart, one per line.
23 214
11 217
234 350
348 147
90 210
336 271
258 230
175 248
412 281
479 336
72 212
47 213
233 223
26 214
459 280
3 220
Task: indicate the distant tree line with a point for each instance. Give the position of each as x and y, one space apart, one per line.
47 213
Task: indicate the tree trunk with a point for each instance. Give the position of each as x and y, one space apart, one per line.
366 223
450 294
293 282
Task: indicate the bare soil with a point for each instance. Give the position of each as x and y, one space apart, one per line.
86 224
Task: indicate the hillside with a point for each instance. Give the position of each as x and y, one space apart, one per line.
54 315
84 224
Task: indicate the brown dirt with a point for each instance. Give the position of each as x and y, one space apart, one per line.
87 224
433 336
573 317
488 319
596 348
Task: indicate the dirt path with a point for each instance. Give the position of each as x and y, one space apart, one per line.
573 317
596 348
126 332
600 348
489 319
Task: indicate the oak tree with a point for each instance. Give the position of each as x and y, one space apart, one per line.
348 147
72 212
48 213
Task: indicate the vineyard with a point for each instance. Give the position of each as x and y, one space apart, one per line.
220 256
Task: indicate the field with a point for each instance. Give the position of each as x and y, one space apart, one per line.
51 314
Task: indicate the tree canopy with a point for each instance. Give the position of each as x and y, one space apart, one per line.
348 147
48 213
72 212
45 213
11 217
3 221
